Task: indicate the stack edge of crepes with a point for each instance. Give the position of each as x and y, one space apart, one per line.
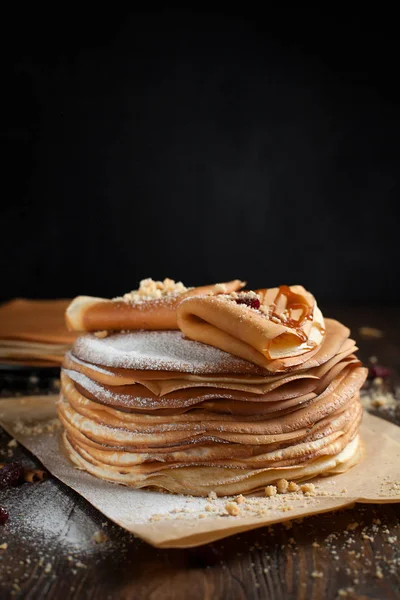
209 389
33 333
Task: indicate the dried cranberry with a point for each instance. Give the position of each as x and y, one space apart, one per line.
3 515
11 474
251 302
378 371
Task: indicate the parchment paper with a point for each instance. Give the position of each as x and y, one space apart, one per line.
174 521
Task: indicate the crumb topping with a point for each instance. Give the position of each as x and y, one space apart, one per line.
99 537
240 499
232 509
49 426
317 574
293 487
248 295
153 290
282 486
220 288
271 490
101 334
308 489
250 299
253 300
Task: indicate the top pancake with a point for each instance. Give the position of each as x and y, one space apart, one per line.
159 351
170 351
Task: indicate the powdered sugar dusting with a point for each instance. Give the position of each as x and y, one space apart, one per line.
95 388
98 390
85 364
129 400
159 351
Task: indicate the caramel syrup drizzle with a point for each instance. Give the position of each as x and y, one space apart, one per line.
293 303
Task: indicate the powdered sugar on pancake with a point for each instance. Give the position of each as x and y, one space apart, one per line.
90 366
103 394
159 351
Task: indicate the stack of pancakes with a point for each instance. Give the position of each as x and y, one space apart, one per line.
156 409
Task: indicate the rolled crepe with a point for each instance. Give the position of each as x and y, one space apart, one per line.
276 324
141 309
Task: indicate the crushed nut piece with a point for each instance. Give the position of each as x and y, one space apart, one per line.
282 486
308 489
293 487
376 397
155 517
379 401
220 288
100 537
101 334
232 508
240 499
271 490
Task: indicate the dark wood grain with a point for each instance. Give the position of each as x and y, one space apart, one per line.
51 552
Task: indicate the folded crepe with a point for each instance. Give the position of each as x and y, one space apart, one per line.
276 328
152 306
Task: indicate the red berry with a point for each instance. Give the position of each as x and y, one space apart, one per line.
11 474
251 302
378 371
3 515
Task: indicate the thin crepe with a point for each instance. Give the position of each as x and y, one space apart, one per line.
274 324
86 313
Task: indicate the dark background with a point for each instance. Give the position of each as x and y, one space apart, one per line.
202 147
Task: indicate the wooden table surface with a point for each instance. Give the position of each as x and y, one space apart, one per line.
48 550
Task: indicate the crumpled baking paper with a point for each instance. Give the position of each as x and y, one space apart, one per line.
175 521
